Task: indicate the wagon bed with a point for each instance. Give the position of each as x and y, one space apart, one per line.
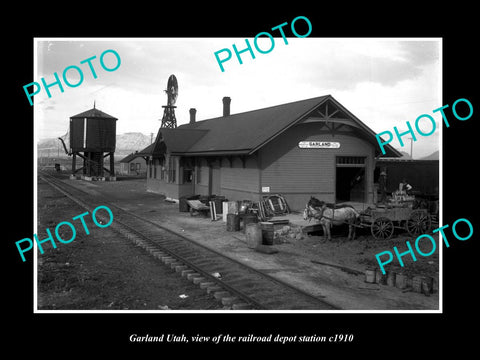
384 220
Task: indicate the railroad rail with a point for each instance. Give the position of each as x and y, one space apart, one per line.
236 285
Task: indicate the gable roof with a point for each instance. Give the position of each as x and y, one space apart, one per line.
246 132
130 157
93 113
178 140
242 133
147 151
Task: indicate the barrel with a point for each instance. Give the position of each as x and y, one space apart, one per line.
218 203
233 222
370 275
417 283
427 285
248 219
267 232
380 278
391 278
253 234
422 284
401 281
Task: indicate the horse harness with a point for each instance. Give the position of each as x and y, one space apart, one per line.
321 210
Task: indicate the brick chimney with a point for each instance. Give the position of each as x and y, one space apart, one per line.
193 112
226 106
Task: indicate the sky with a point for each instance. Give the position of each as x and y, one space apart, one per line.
384 82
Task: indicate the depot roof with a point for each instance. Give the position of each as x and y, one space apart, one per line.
245 133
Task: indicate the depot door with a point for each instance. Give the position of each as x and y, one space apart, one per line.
214 180
350 184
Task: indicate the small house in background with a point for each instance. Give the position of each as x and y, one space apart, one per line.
133 164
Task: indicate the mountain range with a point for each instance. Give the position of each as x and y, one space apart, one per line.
125 144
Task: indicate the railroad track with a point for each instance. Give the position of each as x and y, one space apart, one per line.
236 285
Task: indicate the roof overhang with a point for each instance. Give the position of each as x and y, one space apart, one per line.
326 115
326 110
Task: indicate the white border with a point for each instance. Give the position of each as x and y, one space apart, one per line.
35 176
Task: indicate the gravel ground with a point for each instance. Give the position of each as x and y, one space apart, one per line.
103 271
299 261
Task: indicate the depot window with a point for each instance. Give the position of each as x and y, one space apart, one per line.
187 175
351 160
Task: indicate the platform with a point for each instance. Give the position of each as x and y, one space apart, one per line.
309 262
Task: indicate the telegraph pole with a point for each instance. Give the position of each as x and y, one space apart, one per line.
411 147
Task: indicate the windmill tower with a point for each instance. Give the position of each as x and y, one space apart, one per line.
169 120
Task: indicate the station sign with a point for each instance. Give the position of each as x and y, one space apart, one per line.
318 145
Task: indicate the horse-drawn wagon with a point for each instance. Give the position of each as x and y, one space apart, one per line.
384 220
402 211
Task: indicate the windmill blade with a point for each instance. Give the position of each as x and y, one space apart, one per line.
172 90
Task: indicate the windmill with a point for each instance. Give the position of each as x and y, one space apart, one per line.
169 120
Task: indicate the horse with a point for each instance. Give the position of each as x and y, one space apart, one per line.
328 215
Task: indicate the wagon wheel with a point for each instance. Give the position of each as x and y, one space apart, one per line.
382 228
418 223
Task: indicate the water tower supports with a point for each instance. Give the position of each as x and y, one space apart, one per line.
93 168
74 163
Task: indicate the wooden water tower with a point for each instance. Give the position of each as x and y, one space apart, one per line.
93 133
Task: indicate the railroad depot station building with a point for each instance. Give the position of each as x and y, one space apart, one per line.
313 147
